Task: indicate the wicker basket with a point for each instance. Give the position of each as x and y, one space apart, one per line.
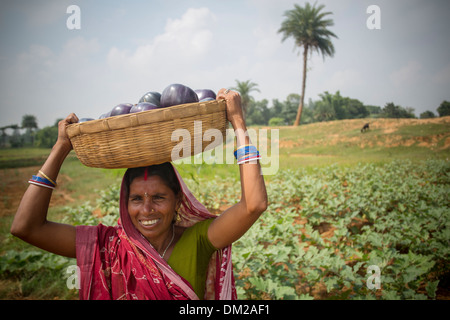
145 138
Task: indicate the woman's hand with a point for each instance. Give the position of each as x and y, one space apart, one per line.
63 139
234 109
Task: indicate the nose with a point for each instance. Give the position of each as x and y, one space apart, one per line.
148 206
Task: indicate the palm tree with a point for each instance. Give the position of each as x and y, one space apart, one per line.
29 122
308 26
244 88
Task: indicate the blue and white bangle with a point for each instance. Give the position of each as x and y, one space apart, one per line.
41 182
246 153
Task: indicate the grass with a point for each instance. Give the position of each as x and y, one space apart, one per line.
341 142
22 157
81 181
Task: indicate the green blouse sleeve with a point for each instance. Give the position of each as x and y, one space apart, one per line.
191 254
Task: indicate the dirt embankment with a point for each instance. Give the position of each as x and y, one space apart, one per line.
14 183
385 133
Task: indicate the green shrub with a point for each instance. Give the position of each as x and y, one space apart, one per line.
277 122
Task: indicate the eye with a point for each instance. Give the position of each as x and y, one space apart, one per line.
158 198
135 198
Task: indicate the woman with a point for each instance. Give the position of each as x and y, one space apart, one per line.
166 244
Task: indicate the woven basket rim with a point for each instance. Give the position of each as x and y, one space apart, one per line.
146 117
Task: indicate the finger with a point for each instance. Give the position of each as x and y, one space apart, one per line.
71 118
221 94
226 94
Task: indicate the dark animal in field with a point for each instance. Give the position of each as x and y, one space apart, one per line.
365 127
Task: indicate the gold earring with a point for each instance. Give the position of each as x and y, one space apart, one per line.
177 217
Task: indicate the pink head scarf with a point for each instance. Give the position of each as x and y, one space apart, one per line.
100 272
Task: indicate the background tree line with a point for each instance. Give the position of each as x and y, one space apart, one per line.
329 107
28 134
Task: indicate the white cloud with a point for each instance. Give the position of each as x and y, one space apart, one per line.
268 41
39 13
442 77
29 60
41 60
406 75
79 46
185 41
183 53
44 83
342 80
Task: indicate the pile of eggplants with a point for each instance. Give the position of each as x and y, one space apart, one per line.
173 95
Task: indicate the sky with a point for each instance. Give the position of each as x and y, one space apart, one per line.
124 49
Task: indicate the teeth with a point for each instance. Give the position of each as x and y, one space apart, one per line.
149 222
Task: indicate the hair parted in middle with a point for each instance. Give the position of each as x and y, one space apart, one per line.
164 170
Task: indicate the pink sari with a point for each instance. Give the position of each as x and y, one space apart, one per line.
119 263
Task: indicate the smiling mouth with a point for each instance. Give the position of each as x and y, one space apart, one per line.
148 223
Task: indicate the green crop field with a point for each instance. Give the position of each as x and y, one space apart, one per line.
351 215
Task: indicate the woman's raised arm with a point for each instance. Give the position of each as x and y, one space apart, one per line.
236 220
30 222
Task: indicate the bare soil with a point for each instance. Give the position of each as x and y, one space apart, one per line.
14 183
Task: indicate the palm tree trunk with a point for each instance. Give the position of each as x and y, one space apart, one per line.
300 106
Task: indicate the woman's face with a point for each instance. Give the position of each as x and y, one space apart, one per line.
152 206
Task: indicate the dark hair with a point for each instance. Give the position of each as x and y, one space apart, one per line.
165 171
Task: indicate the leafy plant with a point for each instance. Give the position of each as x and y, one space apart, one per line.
323 230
